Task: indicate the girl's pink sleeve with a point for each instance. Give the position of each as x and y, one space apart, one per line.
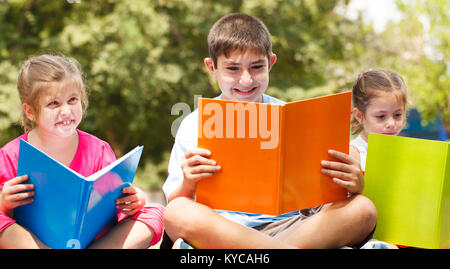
107 155
7 172
7 168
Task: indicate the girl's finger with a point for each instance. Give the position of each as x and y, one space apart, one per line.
21 196
20 188
16 180
22 202
129 190
127 199
130 212
129 206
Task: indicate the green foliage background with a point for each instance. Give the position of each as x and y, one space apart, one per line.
140 57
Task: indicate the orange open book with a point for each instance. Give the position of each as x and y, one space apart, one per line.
270 154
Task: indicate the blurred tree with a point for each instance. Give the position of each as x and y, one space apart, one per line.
417 47
140 57
428 69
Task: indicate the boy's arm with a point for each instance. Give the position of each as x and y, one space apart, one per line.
196 165
354 152
346 172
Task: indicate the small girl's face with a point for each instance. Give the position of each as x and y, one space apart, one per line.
385 114
60 110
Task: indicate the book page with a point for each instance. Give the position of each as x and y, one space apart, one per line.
312 127
244 140
404 178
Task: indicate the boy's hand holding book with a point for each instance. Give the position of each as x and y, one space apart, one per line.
346 171
196 165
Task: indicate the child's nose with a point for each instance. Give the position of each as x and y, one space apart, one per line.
390 123
65 109
246 78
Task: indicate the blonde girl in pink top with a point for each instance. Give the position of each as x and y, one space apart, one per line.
53 97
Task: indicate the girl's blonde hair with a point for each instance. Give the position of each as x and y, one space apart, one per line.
40 73
373 83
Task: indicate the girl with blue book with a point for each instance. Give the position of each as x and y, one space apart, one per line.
54 99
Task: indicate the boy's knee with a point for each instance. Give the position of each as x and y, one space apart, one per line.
180 217
365 211
173 213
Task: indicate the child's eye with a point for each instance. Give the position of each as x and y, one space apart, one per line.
232 68
257 66
398 115
379 117
52 103
73 100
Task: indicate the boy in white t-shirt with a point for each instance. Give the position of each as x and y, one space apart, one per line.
240 60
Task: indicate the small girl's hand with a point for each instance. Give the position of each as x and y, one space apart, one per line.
15 194
132 202
346 172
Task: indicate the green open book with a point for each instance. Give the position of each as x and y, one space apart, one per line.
408 180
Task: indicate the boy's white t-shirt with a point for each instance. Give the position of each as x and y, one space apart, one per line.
361 145
186 139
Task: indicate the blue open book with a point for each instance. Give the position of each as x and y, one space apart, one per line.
69 210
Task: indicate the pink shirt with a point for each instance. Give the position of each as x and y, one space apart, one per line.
92 155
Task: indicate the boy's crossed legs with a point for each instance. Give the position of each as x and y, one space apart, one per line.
346 222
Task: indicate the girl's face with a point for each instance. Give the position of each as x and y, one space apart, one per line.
60 110
385 114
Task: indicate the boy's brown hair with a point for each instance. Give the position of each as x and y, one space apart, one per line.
238 31
38 74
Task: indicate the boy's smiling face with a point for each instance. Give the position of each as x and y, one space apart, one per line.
243 75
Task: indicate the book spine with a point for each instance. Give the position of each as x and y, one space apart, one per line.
444 206
83 203
281 160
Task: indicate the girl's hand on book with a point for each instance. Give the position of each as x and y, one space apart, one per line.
133 202
346 171
15 194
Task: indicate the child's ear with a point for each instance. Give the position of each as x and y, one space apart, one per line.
210 65
28 110
273 59
357 114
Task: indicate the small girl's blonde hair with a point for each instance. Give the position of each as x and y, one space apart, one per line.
373 83
39 73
